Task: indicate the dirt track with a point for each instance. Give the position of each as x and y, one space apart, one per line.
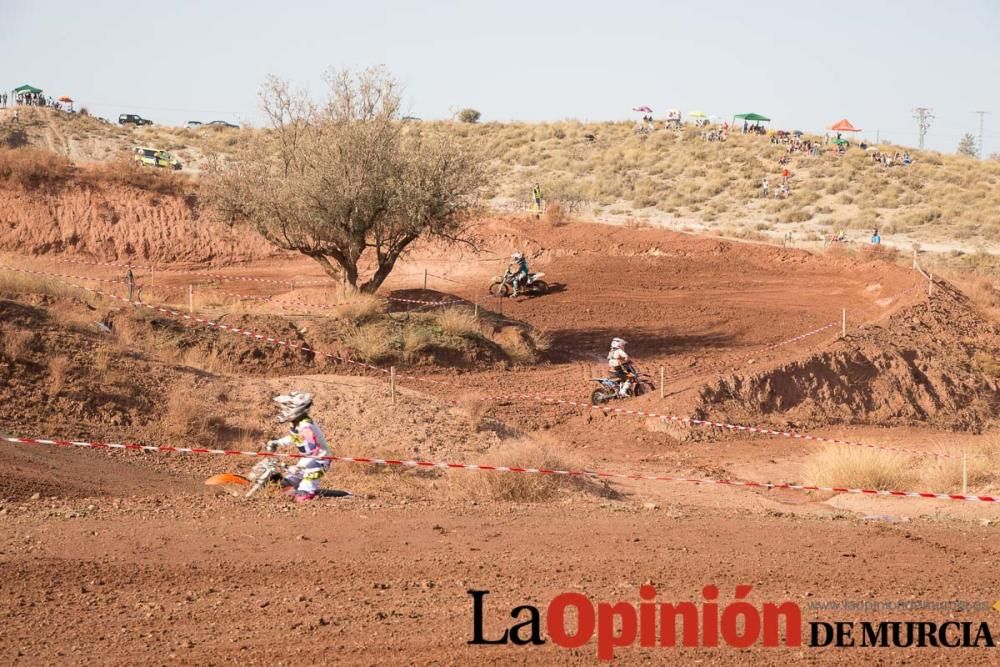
135 563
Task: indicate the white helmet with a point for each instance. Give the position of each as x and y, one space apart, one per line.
517 256
293 405
618 344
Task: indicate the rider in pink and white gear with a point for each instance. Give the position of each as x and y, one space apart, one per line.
301 479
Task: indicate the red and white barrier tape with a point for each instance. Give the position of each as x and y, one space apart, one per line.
411 463
540 398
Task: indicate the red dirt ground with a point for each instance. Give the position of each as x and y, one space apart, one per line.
124 558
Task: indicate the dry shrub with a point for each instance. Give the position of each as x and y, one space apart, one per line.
857 467
17 343
32 169
57 375
521 487
370 342
457 321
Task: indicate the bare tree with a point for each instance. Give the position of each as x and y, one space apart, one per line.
346 181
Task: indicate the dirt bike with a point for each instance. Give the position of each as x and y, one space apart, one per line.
267 471
533 284
608 391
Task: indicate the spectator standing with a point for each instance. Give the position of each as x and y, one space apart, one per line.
536 193
876 239
129 282
763 187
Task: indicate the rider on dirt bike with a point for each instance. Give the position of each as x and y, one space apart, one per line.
518 270
302 479
621 366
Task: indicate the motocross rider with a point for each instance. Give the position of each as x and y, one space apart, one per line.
518 270
301 480
621 366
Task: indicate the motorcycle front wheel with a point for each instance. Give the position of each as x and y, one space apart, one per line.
600 397
500 289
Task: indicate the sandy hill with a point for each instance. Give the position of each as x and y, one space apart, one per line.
609 172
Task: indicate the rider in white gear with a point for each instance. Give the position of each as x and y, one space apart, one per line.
518 270
620 365
302 479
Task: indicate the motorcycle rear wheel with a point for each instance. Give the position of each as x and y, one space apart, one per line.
540 287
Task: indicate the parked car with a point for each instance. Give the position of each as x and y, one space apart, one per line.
192 124
154 157
221 123
133 119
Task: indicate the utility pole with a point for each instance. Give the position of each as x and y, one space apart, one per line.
924 118
982 155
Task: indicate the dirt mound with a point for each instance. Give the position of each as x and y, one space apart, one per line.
932 363
111 212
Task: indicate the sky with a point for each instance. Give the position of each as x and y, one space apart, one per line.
804 64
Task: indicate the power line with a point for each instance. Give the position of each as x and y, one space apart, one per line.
924 117
982 114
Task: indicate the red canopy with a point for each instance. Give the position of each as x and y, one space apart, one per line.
844 125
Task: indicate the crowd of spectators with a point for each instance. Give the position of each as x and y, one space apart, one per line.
37 100
894 160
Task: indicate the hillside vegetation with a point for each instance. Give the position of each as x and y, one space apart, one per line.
946 202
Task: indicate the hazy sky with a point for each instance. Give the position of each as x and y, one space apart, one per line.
805 64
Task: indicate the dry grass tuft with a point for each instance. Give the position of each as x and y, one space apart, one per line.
358 307
521 487
983 469
57 375
457 321
370 342
17 343
33 169
12 282
516 344
857 467
187 418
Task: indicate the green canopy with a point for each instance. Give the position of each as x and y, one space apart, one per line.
27 89
752 116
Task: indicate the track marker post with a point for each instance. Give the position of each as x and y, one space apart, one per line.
965 472
191 299
425 279
392 383
661 381
843 324
477 309
930 283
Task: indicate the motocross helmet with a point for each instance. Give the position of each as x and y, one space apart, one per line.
517 256
292 405
618 344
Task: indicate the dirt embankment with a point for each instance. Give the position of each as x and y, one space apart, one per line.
112 212
933 363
